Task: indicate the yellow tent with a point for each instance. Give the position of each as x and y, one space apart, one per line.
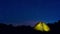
41 26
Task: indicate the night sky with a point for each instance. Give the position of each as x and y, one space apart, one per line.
29 12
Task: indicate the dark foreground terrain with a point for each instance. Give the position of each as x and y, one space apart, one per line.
10 29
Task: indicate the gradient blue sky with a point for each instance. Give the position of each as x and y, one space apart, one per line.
29 12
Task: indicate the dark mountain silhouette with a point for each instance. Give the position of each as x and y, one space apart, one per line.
10 29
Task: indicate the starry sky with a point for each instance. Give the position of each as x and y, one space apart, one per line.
29 12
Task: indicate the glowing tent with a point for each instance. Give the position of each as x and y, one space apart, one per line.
41 26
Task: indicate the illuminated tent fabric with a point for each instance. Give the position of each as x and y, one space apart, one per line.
41 27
